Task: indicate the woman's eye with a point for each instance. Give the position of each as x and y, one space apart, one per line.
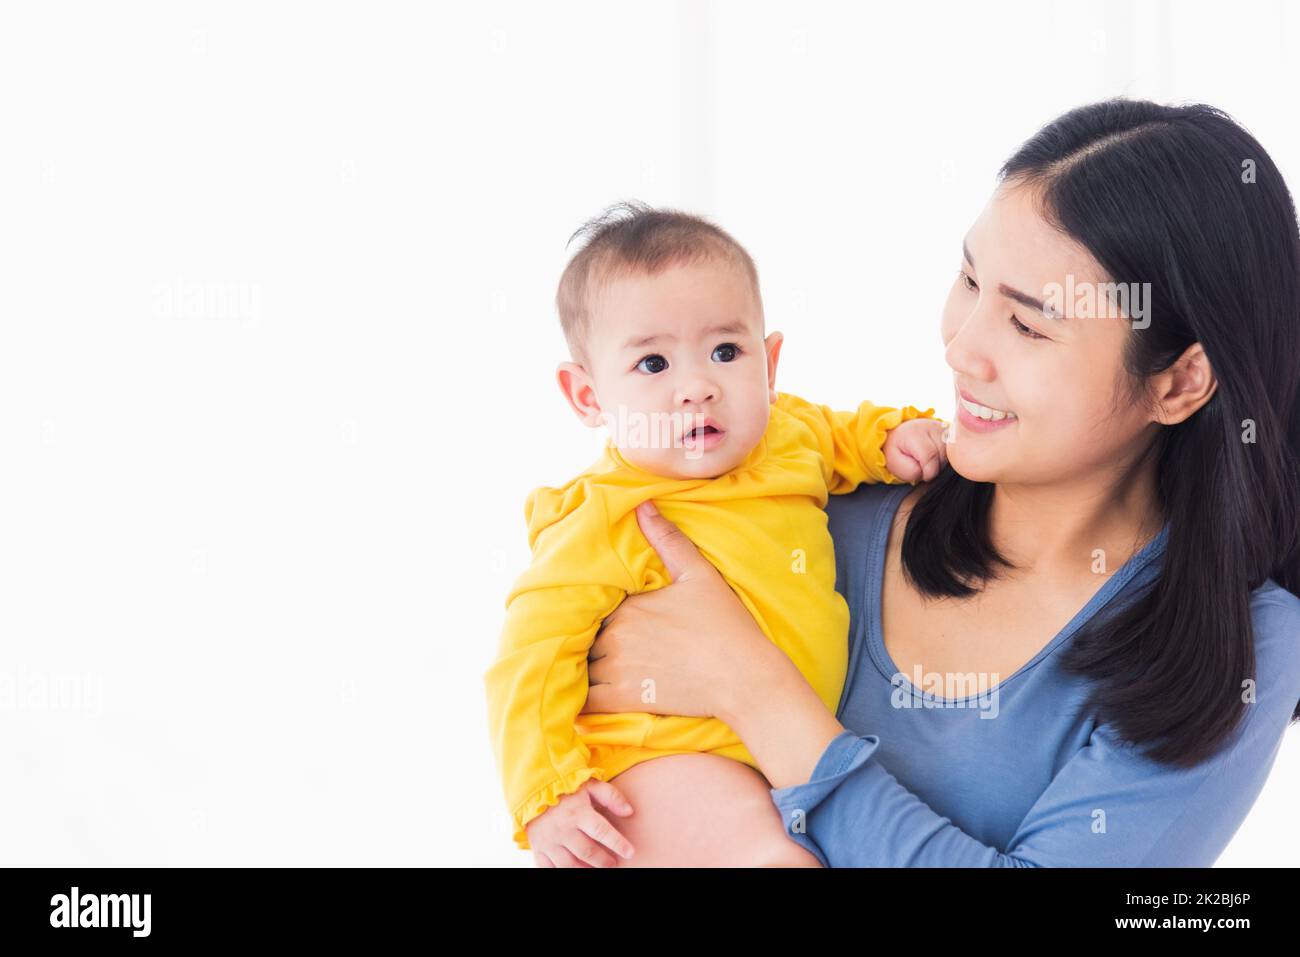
1024 330
726 352
967 281
653 364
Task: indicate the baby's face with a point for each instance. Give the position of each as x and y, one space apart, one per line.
681 373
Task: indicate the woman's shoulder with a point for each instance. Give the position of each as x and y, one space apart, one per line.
856 519
859 523
1271 595
1275 613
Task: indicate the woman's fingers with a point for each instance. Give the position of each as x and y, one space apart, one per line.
605 697
676 551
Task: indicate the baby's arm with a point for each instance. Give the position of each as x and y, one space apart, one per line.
872 443
537 686
575 833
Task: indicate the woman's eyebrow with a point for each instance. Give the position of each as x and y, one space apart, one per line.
1028 300
1016 294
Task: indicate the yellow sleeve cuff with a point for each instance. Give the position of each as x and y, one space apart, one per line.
883 424
548 797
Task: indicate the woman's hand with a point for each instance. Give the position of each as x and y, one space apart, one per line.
689 648
692 648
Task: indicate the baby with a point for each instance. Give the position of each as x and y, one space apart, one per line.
664 323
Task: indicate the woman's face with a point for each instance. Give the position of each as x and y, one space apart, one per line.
1060 380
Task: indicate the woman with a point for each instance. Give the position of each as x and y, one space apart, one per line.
1109 560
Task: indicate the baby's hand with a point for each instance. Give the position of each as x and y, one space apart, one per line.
915 450
574 834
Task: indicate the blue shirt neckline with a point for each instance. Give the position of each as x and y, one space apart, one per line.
903 786
875 574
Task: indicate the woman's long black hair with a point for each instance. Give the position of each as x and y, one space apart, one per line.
1185 199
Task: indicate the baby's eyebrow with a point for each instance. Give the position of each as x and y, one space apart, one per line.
732 328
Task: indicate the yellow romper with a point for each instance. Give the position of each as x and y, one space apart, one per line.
762 525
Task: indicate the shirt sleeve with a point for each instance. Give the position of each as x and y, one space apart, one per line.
537 685
1108 806
851 443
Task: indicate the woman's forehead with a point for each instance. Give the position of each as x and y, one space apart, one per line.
1012 240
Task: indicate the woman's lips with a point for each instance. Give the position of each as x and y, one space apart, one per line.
981 418
974 424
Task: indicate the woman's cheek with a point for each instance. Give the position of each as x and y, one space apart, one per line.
1057 429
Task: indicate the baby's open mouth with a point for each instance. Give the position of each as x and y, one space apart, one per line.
703 438
699 433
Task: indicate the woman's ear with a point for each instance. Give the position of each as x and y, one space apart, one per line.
773 346
1184 387
580 392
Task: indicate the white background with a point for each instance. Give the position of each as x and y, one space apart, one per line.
276 366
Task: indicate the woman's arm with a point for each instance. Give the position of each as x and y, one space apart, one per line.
781 720
1107 805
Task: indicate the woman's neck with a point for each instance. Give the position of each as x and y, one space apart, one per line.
1064 525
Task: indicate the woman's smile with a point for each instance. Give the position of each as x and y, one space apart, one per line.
981 418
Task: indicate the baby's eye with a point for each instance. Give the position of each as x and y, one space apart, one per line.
653 364
726 352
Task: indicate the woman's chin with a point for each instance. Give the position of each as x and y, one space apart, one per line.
975 468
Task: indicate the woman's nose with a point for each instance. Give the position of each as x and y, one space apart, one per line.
966 349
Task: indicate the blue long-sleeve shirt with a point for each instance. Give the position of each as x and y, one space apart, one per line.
1014 778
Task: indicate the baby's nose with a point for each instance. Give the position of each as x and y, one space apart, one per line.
699 390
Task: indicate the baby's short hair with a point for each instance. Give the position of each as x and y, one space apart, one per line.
633 237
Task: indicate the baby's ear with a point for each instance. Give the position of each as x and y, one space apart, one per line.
580 392
772 345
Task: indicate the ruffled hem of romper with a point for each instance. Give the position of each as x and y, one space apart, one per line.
548 797
882 426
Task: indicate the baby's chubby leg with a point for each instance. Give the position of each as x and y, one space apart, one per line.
702 810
